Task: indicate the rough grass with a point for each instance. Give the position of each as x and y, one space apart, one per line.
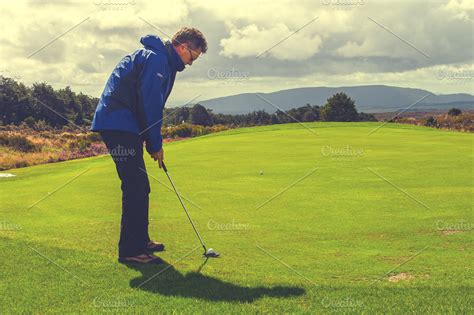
21 146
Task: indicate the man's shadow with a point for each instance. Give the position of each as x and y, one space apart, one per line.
164 279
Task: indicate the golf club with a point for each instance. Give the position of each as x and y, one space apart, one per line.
207 252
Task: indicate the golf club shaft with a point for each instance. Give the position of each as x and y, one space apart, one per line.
184 207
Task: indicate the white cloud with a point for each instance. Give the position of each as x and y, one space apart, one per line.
460 9
341 47
277 41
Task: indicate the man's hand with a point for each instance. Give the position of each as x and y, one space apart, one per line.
158 156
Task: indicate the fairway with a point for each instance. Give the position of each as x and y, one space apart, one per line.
320 217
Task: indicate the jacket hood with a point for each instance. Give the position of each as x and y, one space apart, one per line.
154 43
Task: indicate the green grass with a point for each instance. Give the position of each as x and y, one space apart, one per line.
337 227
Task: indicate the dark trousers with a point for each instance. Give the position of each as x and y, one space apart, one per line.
126 149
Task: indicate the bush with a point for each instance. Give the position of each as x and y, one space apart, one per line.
81 145
218 128
183 130
366 117
187 130
22 163
454 112
17 142
67 135
339 107
41 125
29 121
94 137
431 122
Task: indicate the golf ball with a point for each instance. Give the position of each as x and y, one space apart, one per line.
261 172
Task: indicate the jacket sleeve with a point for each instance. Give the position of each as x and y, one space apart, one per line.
152 98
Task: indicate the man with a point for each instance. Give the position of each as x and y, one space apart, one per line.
129 113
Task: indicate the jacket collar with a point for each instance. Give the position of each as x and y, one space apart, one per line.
175 60
154 43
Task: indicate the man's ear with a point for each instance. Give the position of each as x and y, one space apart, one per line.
179 47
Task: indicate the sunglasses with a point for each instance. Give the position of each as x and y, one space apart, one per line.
191 53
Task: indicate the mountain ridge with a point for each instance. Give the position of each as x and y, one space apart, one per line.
368 98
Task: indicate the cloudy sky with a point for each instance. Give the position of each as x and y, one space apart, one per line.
254 46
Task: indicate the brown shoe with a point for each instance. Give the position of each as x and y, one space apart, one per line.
144 259
155 247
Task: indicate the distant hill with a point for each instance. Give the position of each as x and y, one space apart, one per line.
369 99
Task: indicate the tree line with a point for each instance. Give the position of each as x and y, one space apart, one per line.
339 107
42 105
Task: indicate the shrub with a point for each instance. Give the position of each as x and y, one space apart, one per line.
17 142
67 135
454 112
21 163
187 130
94 137
431 122
81 145
183 130
217 128
41 125
339 107
366 117
29 121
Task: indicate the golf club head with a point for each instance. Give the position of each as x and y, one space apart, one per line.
210 253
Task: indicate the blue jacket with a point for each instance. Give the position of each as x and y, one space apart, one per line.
136 92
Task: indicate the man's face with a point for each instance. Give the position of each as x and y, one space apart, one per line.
187 53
